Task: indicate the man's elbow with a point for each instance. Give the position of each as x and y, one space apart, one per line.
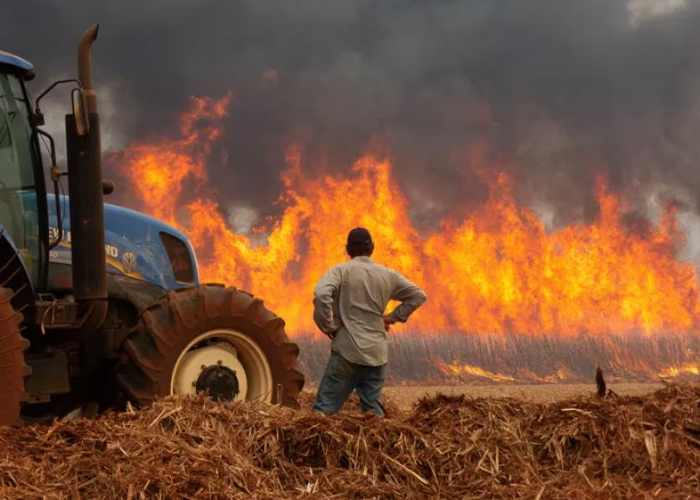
422 297
319 301
321 322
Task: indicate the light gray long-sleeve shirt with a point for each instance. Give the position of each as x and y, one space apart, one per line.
350 300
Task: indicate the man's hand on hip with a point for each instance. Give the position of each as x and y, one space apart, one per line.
388 322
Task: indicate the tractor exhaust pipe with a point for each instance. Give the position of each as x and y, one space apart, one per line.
85 67
84 158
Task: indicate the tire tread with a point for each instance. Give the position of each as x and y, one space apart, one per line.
169 325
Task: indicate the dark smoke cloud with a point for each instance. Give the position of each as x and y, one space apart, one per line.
561 91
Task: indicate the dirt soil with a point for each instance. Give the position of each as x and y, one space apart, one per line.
405 396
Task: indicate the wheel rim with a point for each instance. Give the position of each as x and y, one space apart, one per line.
233 352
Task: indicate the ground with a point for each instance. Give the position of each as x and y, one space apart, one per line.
499 447
404 396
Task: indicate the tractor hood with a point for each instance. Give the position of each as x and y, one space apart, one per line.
136 245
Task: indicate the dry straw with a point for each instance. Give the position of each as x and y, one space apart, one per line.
447 447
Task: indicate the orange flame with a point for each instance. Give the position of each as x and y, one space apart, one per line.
496 271
461 371
677 371
159 171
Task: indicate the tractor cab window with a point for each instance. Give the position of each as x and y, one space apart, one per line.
19 210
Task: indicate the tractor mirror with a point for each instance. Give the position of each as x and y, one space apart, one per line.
82 123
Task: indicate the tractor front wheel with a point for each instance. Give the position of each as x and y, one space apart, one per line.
13 370
210 339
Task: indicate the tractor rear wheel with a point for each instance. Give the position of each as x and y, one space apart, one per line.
13 370
210 339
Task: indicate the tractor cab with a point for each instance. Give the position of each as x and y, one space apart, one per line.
23 210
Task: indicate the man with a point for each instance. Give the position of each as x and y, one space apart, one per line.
349 305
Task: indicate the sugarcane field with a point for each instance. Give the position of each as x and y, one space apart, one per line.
349 249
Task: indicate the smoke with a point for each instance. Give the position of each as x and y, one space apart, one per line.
556 93
642 10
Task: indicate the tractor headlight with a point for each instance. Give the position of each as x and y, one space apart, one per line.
180 260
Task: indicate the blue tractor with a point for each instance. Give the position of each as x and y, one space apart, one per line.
103 305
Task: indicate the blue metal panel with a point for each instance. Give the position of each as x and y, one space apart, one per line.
133 245
16 61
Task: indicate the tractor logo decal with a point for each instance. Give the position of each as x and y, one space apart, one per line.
129 262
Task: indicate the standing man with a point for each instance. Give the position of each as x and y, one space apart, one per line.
349 304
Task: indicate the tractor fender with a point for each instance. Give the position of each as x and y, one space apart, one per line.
141 294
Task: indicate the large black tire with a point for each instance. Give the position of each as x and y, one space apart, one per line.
13 370
166 329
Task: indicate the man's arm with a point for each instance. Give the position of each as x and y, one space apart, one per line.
410 296
324 295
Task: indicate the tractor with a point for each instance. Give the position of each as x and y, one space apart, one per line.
101 305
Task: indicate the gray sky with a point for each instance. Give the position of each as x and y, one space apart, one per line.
561 90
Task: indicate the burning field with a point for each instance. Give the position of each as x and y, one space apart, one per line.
485 359
614 447
509 299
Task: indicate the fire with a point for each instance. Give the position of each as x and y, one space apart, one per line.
676 371
159 171
496 271
465 371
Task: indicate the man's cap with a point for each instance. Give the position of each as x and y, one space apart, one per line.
359 236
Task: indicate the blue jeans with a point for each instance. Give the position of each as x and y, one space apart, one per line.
342 377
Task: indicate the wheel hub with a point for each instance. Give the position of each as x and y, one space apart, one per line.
244 372
215 368
220 382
